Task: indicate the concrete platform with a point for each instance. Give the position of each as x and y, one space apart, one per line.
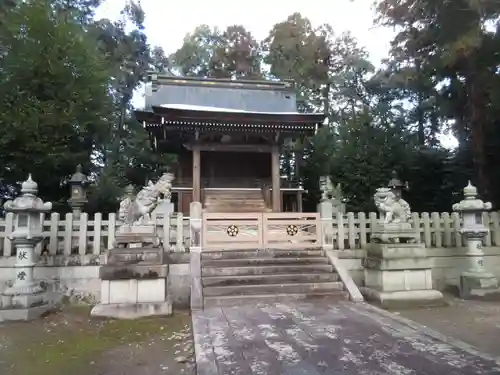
321 337
132 311
30 313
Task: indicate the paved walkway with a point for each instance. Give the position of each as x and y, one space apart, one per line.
315 337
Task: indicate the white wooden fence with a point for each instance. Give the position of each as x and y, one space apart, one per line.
351 230
90 236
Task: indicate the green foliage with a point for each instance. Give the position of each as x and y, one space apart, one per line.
207 52
55 107
67 80
447 50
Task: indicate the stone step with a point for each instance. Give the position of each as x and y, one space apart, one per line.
266 269
220 301
305 287
258 262
238 202
275 253
284 278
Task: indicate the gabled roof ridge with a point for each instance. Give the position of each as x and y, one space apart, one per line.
162 79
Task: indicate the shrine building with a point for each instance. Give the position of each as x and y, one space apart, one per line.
227 136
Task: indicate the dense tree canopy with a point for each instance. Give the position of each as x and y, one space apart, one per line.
67 81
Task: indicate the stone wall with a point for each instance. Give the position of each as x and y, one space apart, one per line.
77 277
447 264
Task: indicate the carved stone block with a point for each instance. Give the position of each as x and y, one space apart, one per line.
139 256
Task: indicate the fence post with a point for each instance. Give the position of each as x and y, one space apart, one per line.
195 229
351 230
111 230
340 231
7 245
362 229
68 234
96 244
447 229
195 226
82 233
179 241
166 231
495 228
438 229
325 209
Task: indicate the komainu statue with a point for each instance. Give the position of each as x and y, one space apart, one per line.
395 226
136 210
395 210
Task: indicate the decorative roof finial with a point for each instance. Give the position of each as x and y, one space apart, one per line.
29 186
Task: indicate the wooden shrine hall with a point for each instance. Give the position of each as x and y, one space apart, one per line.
227 136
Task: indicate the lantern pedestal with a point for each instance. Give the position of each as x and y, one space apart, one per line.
474 285
25 299
476 282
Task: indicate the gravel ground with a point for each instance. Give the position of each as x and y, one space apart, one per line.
70 342
475 322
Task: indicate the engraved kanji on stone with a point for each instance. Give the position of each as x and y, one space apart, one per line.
21 275
23 255
480 262
479 245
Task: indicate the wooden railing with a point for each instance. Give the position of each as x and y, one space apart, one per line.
262 230
291 230
64 235
91 235
352 230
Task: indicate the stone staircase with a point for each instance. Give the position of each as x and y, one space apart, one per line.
250 276
234 201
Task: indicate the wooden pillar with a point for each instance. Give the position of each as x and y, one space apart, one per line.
196 174
275 171
299 201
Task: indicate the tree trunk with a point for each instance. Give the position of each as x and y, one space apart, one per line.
476 106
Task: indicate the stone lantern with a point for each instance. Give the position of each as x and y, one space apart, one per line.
78 194
475 282
24 299
396 185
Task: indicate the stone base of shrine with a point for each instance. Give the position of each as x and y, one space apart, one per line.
403 299
478 286
26 314
133 298
132 311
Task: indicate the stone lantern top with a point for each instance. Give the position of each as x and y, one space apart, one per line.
396 183
129 190
78 177
29 186
471 203
28 201
470 191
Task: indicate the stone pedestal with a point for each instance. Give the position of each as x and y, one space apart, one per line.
393 233
134 278
399 275
326 211
25 300
164 208
133 236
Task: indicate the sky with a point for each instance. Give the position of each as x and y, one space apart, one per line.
168 22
